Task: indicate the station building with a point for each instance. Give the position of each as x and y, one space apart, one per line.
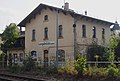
40 34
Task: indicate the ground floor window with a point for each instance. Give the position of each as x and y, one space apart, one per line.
15 58
21 57
33 55
61 55
10 59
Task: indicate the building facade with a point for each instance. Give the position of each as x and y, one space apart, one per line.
16 54
40 33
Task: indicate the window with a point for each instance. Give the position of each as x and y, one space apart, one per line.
33 34
46 33
33 56
10 59
83 30
60 31
15 58
45 17
94 32
61 55
103 33
21 57
46 60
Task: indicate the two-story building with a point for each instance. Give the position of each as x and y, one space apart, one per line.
41 29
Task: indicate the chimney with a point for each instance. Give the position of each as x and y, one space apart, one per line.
66 7
85 12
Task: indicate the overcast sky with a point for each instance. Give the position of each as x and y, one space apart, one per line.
14 11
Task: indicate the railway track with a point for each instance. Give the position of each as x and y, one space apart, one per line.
11 77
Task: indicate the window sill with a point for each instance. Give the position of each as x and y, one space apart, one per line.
84 37
60 37
33 40
45 39
45 20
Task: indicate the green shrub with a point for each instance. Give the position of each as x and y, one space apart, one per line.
67 69
29 65
15 68
112 71
80 65
93 71
51 70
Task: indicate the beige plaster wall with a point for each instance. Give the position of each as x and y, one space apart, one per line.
67 41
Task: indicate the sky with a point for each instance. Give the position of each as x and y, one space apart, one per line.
14 11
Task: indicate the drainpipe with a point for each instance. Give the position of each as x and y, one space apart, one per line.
57 38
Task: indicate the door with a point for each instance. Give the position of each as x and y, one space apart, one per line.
10 59
46 58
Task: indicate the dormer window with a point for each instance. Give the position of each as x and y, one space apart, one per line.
45 17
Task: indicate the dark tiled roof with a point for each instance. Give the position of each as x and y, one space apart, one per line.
43 6
116 26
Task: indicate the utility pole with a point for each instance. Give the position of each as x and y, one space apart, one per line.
75 34
74 31
57 38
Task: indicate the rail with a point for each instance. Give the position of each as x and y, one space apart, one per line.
11 77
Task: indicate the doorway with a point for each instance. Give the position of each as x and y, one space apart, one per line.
46 58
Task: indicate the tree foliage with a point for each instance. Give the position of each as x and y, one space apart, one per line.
101 51
114 42
80 65
9 36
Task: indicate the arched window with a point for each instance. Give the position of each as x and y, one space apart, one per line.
21 57
45 17
15 58
33 55
60 31
46 33
103 33
83 30
94 32
10 59
61 55
33 34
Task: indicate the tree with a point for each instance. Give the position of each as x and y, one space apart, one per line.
9 36
117 52
100 51
114 41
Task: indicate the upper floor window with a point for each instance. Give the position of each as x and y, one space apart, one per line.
45 17
94 32
103 33
46 33
83 30
60 31
33 34
61 55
